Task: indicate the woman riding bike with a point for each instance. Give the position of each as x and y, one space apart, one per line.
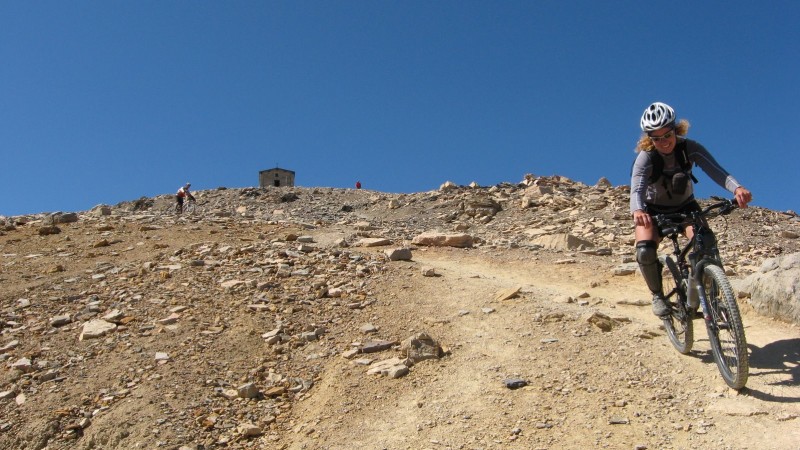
182 194
662 182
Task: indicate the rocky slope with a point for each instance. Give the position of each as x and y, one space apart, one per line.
244 324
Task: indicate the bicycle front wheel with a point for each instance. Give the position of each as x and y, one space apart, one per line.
725 328
189 207
679 323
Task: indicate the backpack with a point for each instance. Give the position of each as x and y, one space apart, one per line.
658 163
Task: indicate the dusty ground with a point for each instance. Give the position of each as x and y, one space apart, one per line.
579 384
626 388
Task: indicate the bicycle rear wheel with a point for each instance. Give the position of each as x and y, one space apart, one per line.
171 210
725 328
679 323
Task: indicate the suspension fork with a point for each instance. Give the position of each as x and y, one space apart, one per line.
697 284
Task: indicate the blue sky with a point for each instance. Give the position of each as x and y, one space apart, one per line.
108 101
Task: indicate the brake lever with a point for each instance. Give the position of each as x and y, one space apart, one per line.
730 205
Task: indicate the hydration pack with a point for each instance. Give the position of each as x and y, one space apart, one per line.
682 158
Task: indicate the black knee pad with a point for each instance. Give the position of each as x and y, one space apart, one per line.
646 252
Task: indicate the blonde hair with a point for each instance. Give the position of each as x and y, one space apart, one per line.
681 128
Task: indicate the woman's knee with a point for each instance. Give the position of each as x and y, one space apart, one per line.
646 252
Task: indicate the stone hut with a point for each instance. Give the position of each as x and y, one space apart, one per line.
276 177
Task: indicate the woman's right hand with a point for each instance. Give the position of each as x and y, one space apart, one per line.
641 219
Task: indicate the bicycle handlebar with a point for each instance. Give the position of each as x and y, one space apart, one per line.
724 205
674 223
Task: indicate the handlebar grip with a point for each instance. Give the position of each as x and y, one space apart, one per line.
730 205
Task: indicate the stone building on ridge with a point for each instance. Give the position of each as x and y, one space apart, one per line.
276 177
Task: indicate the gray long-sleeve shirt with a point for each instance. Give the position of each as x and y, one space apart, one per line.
659 192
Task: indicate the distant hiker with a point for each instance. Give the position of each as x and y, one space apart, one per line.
358 185
183 193
662 183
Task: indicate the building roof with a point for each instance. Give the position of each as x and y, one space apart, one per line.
277 169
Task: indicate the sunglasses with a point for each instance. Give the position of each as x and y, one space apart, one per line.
663 137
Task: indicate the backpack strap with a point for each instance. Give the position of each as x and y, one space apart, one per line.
658 166
683 160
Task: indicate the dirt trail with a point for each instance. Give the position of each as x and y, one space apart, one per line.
586 388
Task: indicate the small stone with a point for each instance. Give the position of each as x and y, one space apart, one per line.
114 316
230 284
23 365
275 391
5 395
101 243
601 321
398 254
249 430
392 368
376 346
96 328
368 328
248 390
373 242
507 294
229 394
515 383
48 230
10 346
173 318
397 371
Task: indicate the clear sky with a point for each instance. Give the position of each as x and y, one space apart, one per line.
108 101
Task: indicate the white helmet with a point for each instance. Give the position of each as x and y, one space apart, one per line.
658 115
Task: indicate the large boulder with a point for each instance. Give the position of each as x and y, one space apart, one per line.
437 239
561 241
774 290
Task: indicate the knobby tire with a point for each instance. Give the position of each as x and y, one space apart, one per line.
679 323
725 328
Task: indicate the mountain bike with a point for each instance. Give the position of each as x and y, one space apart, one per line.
696 279
189 207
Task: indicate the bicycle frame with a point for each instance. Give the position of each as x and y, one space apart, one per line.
693 258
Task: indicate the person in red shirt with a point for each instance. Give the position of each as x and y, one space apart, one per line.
182 194
358 185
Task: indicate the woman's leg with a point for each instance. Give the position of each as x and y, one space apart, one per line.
647 256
